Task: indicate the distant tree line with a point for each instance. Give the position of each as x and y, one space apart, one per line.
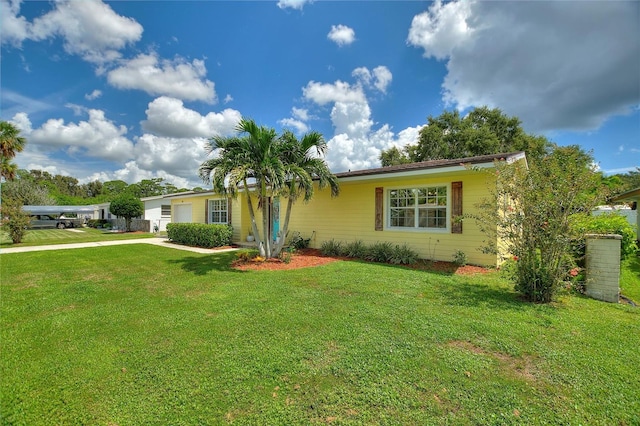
39 187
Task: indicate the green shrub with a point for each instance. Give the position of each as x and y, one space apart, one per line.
355 249
247 255
403 255
460 258
14 220
608 223
379 252
199 234
331 248
298 242
97 223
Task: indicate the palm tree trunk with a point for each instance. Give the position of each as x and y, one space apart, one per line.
254 225
266 229
285 228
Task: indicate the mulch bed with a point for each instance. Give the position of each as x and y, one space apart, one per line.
312 257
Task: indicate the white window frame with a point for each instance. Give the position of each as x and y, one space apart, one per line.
213 209
416 208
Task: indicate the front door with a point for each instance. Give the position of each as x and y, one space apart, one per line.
275 217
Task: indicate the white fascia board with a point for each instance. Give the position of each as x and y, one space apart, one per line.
411 173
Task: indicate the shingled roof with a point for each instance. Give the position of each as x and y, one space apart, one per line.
434 164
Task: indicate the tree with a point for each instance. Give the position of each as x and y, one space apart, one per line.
528 216
127 206
13 219
27 192
304 160
261 164
10 143
483 131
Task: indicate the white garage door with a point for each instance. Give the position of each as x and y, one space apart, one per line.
182 213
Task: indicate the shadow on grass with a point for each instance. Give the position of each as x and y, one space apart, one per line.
634 265
477 294
202 265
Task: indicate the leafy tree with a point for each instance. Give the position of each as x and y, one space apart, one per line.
528 216
261 164
304 161
483 131
10 143
113 188
27 192
127 206
14 220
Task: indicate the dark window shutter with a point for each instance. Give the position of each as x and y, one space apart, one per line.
456 207
229 211
206 211
379 209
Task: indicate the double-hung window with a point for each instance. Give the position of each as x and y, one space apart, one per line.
218 211
418 208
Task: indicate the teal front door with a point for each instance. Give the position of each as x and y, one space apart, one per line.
275 218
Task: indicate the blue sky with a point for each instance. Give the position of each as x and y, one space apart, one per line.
131 90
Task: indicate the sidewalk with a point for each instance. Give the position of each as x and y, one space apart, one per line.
163 242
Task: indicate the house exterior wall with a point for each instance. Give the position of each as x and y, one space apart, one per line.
351 216
153 213
198 211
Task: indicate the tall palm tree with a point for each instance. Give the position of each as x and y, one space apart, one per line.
305 163
10 143
250 162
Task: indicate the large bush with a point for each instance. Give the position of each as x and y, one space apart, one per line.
199 234
127 206
608 223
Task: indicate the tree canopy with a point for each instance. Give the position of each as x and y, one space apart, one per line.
10 143
483 131
127 206
263 164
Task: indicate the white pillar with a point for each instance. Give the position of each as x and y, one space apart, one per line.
603 267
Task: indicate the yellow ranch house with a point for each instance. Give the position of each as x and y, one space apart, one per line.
414 203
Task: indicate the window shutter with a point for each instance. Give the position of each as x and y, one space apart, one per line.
379 209
456 207
229 211
206 211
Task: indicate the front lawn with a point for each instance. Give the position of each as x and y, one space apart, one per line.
39 237
142 334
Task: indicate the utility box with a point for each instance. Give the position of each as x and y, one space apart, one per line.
603 267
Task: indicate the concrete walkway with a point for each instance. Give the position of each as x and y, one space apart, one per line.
163 242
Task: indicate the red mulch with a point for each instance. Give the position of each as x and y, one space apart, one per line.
312 257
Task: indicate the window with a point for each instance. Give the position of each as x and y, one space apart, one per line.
418 208
165 210
218 211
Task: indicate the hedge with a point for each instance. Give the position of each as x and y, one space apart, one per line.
608 223
199 234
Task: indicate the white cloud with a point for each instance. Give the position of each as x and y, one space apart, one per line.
90 29
299 126
22 121
175 156
380 77
228 98
300 113
13 28
131 173
168 117
293 4
555 65
93 95
323 93
98 137
177 78
341 35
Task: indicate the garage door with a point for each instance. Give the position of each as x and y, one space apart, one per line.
182 213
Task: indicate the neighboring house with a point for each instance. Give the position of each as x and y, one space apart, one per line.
632 197
410 203
157 210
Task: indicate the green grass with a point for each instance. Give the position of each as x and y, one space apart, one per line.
630 279
39 237
141 334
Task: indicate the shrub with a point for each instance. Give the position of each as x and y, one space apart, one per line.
199 234
403 255
608 223
246 255
97 223
460 258
298 242
331 248
127 206
14 220
355 249
379 252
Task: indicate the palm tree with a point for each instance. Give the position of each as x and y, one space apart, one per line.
10 143
249 160
262 164
305 163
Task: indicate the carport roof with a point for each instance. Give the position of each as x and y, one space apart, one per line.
59 209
